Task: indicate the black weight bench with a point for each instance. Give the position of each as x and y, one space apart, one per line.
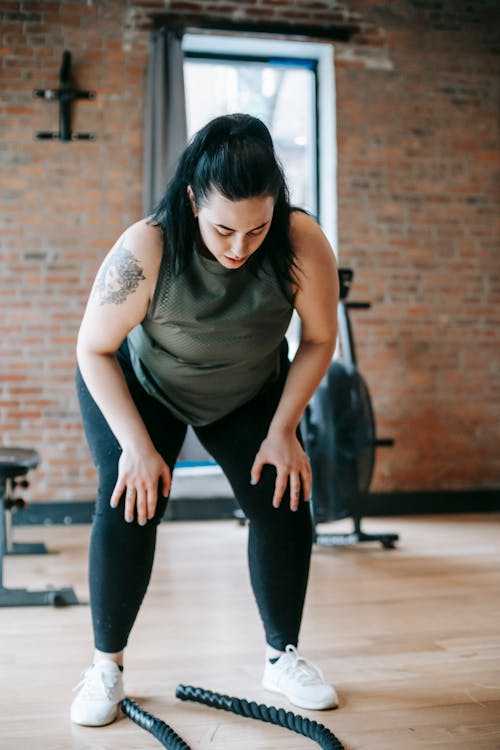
14 466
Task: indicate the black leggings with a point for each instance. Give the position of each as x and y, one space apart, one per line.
121 554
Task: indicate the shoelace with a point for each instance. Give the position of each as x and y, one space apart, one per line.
94 682
301 668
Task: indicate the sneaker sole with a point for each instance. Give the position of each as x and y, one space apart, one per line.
98 723
318 706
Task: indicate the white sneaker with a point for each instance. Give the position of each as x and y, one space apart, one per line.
300 681
99 696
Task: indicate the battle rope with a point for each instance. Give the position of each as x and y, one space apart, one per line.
169 739
161 731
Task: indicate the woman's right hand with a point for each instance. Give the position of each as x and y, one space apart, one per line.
140 476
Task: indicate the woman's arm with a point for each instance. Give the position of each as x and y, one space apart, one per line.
316 303
119 300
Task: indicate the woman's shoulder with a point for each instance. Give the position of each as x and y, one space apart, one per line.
144 237
302 224
144 240
139 247
314 255
308 240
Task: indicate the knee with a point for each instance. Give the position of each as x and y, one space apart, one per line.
257 500
114 518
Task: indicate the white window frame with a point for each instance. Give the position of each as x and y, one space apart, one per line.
323 54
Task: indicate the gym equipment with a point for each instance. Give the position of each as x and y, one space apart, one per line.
14 466
169 739
340 437
64 95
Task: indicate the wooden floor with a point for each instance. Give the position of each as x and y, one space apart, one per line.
410 637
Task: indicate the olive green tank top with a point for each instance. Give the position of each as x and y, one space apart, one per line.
211 338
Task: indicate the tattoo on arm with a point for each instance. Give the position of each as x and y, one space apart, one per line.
119 276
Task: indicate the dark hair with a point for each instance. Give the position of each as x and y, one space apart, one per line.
233 154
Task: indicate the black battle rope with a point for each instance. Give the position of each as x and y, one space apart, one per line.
161 731
165 734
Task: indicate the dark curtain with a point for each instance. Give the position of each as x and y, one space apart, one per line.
165 116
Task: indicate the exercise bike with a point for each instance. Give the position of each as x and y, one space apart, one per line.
340 438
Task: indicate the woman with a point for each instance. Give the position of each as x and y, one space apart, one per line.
186 325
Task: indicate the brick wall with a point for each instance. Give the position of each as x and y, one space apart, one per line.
418 157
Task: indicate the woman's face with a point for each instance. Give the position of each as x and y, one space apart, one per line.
232 230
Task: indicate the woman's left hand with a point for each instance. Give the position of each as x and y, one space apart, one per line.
285 453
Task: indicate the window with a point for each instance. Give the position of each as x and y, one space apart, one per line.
290 85
281 92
